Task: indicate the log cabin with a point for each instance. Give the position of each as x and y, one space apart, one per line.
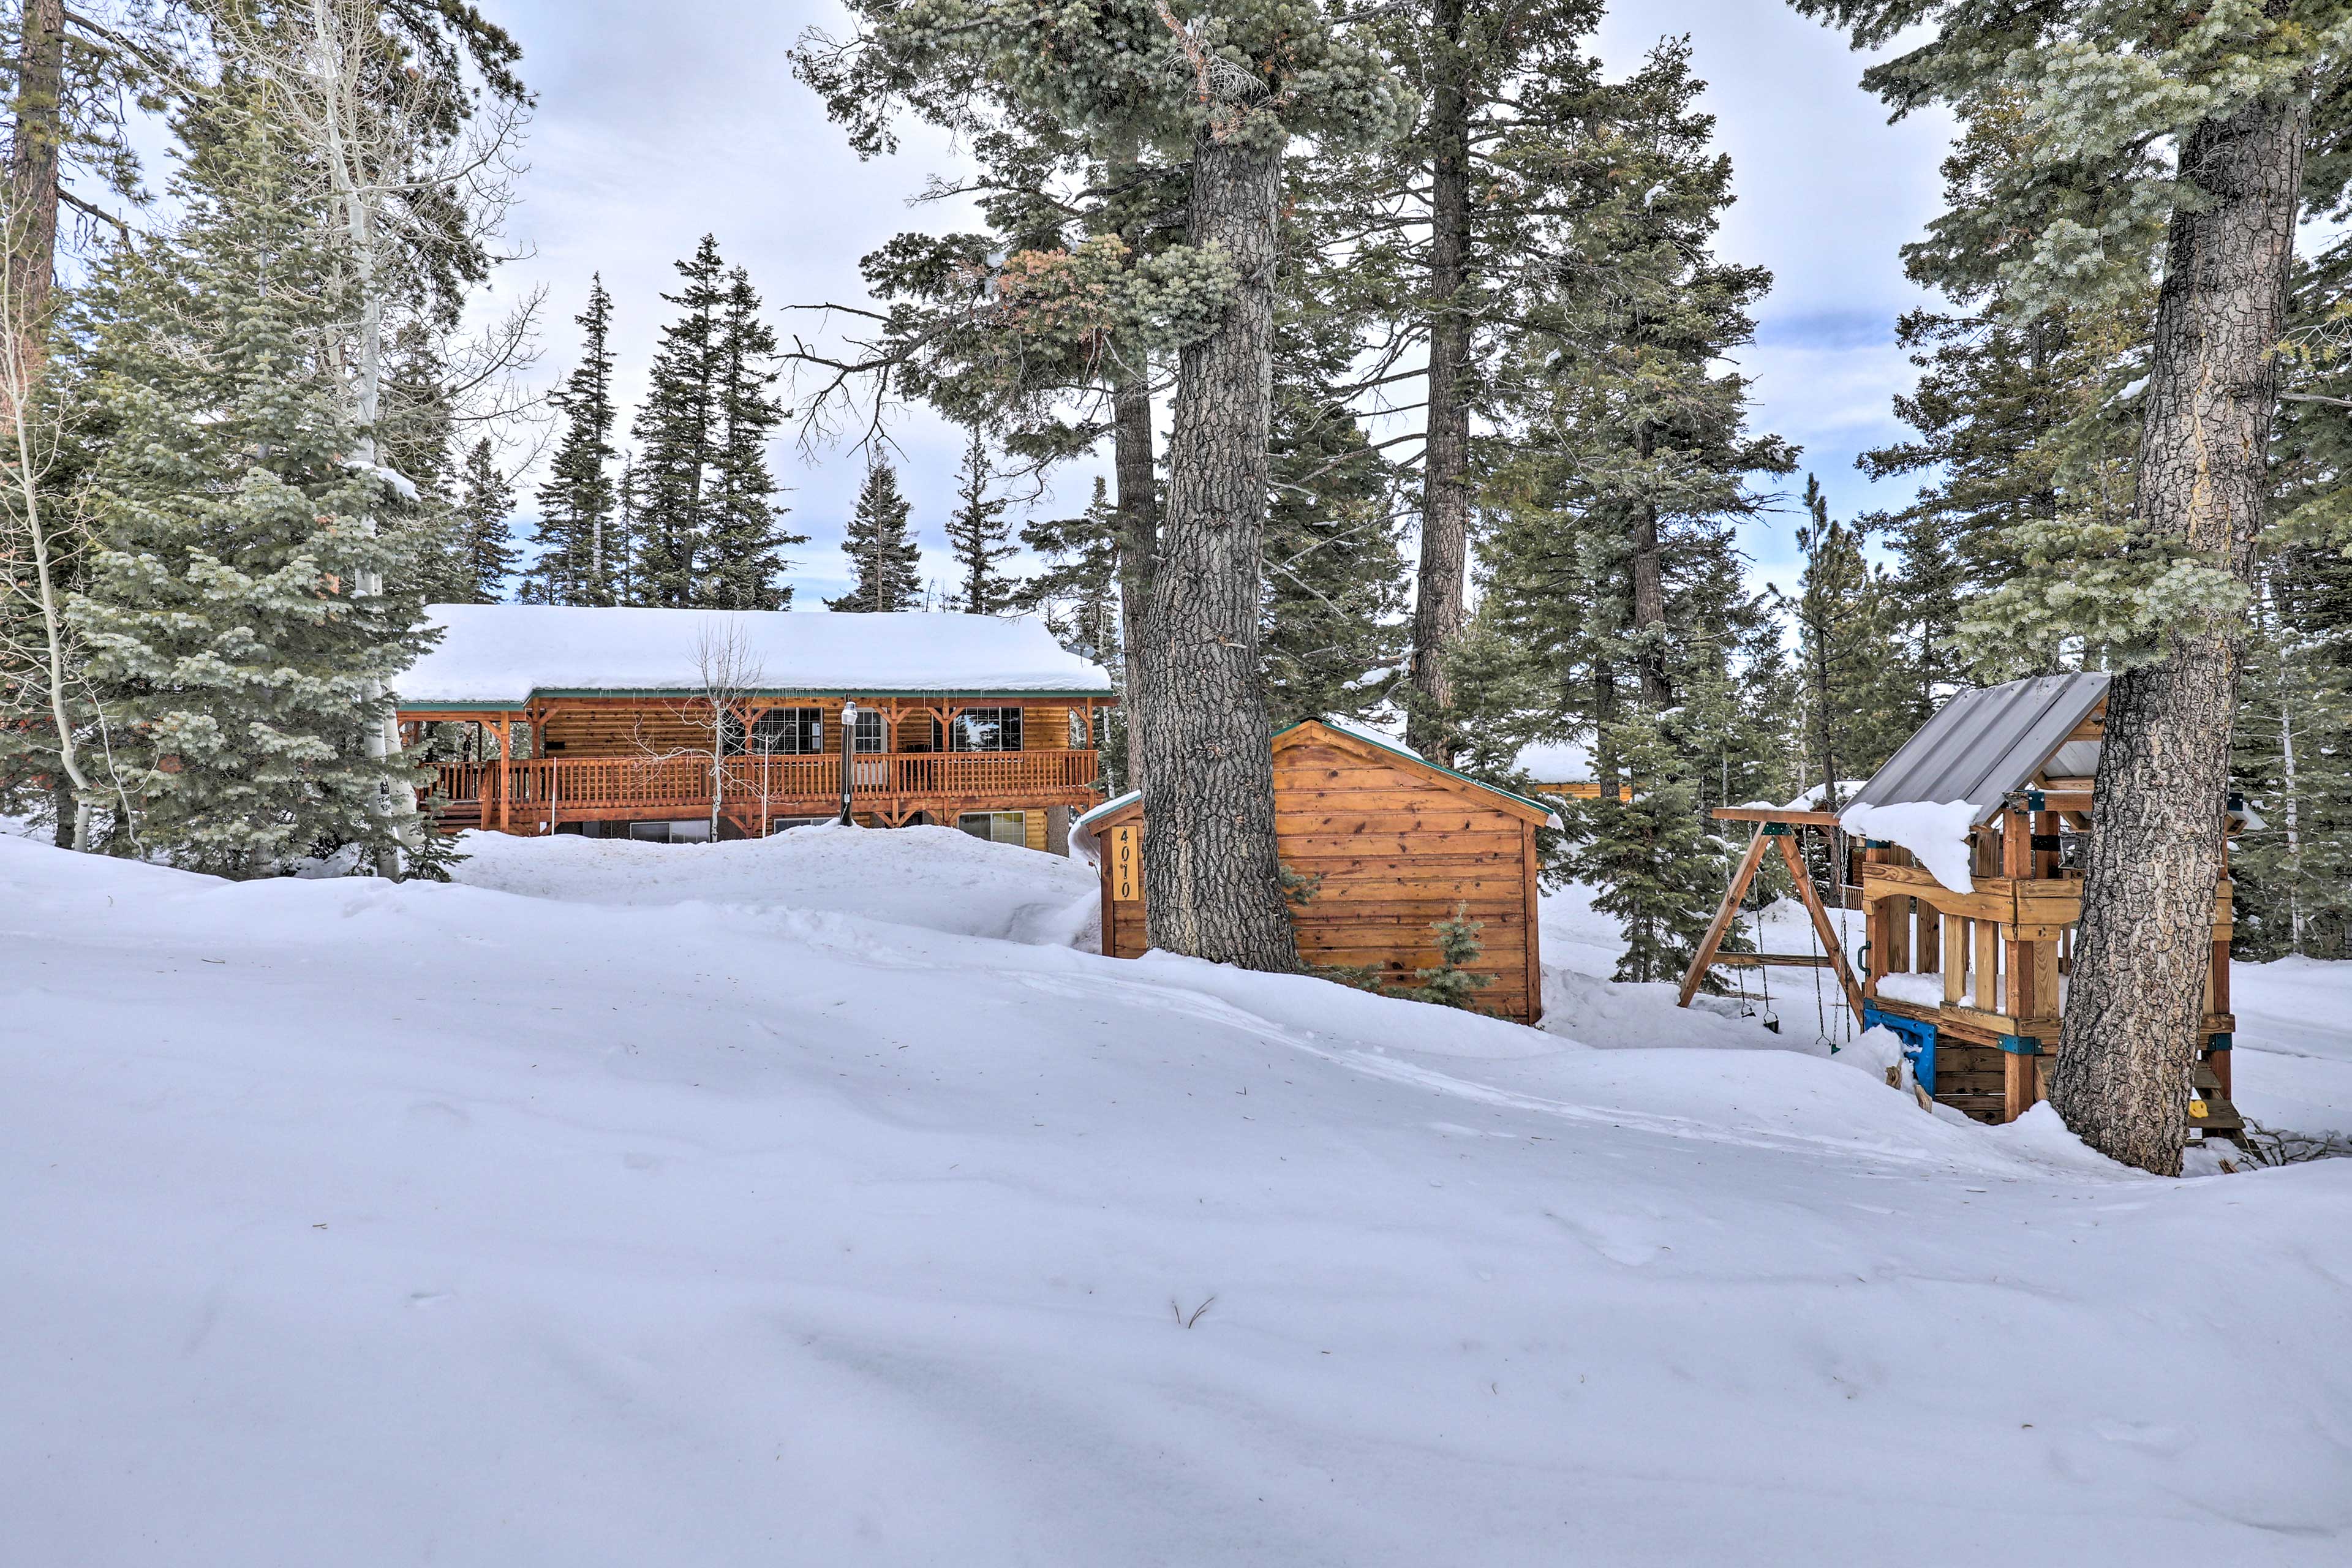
1968 961
632 722
1394 844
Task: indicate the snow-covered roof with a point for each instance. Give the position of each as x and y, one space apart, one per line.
501 655
1106 808
1555 762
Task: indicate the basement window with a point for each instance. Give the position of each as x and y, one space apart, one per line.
996 827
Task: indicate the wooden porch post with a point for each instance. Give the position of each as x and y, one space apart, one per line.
506 779
2032 968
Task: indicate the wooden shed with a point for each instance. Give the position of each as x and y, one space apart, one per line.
1399 843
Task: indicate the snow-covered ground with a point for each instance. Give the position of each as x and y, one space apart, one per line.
2293 1066
814 1201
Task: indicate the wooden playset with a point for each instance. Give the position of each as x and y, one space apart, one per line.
1974 981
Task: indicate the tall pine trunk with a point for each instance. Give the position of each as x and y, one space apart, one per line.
1209 863
1439 593
2142 952
1139 538
36 135
33 165
1649 586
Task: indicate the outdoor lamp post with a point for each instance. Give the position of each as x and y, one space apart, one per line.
849 757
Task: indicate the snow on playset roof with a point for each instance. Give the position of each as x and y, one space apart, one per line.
502 656
1983 746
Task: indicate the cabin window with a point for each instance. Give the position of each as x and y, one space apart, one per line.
996 827
789 731
987 730
872 730
697 831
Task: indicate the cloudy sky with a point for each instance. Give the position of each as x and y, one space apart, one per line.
659 120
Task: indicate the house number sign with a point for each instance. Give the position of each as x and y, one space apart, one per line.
1126 865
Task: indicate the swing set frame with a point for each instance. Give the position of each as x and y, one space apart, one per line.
1775 827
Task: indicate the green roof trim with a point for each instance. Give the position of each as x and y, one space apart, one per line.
1397 751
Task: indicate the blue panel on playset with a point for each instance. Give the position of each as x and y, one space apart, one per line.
1919 1042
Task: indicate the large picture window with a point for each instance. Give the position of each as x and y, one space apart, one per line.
986 730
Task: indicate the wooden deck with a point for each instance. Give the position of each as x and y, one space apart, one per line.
534 794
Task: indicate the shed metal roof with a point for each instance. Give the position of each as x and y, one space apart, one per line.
1984 745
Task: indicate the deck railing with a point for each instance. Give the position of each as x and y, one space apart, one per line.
574 788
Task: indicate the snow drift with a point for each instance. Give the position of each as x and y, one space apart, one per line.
659 1216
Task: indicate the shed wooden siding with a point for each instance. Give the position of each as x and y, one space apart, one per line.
1398 852
1399 848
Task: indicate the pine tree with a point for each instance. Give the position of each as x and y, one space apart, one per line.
2176 148
1852 696
485 538
2294 761
416 437
624 547
746 539
1233 90
979 534
1451 982
679 429
885 562
2293 754
227 607
1614 609
1078 595
1335 630
1647 850
576 557
1437 231
2018 425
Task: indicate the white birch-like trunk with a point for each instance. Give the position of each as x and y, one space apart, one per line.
341 120
2292 802
20 339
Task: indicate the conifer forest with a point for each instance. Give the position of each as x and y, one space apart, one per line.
1392 366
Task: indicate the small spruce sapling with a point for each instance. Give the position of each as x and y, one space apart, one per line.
1451 984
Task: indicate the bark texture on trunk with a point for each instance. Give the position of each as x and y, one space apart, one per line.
2143 949
33 167
1210 864
1604 719
1649 591
1440 589
1138 541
